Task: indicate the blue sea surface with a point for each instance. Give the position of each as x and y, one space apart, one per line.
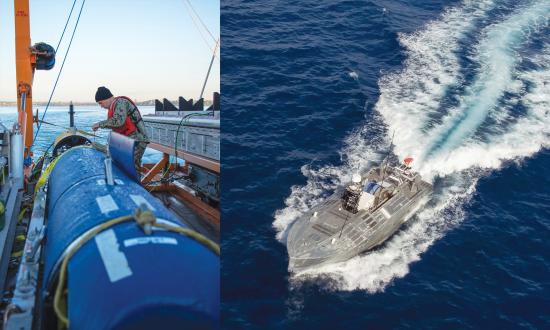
84 118
313 91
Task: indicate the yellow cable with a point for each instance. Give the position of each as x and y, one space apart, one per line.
68 128
192 234
22 214
141 218
17 254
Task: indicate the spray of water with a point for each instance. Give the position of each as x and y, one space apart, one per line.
451 147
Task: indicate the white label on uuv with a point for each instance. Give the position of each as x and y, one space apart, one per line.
385 213
106 204
115 261
147 240
138 200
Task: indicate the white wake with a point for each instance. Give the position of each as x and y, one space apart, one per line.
448 142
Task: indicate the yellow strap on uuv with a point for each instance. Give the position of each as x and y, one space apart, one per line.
141 218
46 173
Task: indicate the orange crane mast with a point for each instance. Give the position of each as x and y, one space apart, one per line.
25 62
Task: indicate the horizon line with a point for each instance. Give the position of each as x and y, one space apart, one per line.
5 102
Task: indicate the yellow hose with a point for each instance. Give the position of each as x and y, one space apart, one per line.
17 254
142 218
22 214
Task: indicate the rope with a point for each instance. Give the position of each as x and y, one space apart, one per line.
60 70
198 29
68 128
65 28
200 20
142 218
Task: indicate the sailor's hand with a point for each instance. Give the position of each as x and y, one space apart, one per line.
95 127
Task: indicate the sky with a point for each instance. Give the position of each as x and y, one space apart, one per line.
142 49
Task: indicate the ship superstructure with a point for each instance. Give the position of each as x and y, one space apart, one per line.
356 218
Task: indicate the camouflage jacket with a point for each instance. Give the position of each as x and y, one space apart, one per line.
122 109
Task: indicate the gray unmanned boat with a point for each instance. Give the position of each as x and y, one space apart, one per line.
358 217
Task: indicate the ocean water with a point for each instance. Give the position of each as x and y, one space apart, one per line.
313 92
84 118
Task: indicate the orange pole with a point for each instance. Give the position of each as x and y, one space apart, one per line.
24 64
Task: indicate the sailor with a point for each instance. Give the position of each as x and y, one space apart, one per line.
123 117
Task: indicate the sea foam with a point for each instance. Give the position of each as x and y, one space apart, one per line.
451 148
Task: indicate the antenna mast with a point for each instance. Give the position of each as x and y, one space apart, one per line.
386 158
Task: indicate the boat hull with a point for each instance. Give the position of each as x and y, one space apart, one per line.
328 234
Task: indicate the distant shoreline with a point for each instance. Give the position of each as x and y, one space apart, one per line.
64 103
42 104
